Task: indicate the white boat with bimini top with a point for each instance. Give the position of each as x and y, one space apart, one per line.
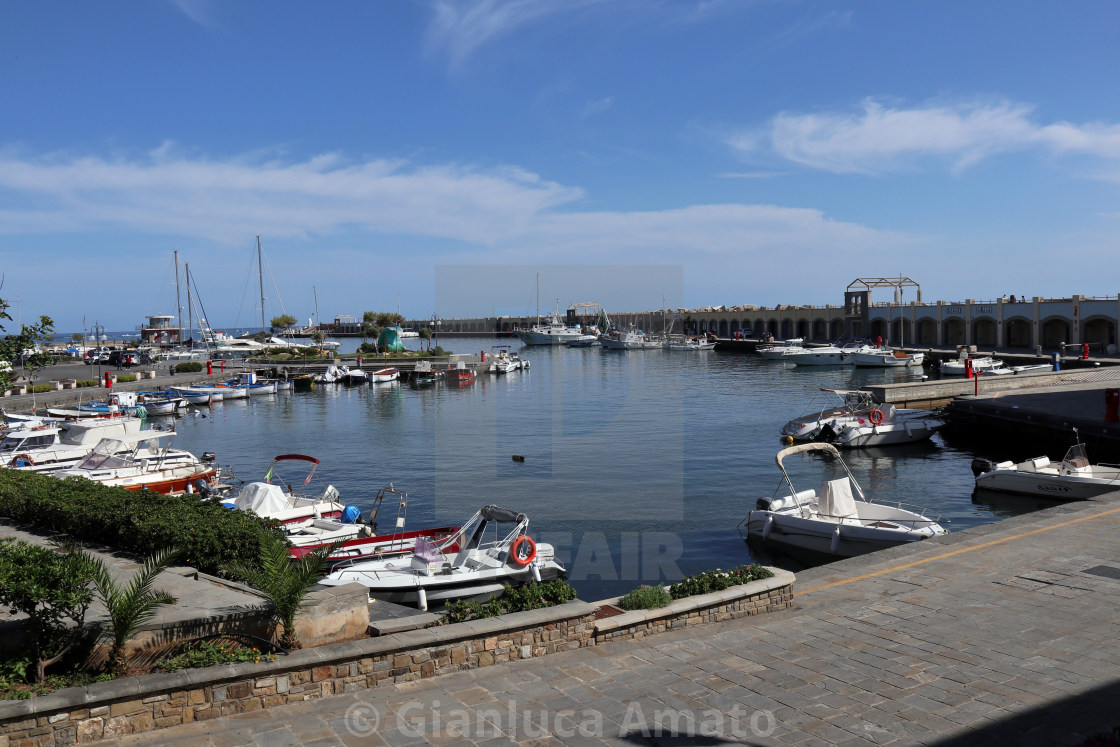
841 407
466 565
836 521
1074 478
884 426
959 367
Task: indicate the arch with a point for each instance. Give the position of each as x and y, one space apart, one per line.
837 330
926 333
820 330
984 331
803 329
878 328
1100 331
723 329
703 326
1017 332
759 328
1055 331
733 327
787 326
953 331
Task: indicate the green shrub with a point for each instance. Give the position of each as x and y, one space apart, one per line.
717 580
125 378
208 653
88 382
40 388
188 367
513 599
645 598
141 522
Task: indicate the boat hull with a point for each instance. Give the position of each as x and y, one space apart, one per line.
1055 487
815 538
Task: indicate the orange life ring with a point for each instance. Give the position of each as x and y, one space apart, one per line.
22 460
515 550
876 417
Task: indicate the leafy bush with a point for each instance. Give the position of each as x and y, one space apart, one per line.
208 653
188 367
40 388
717 580
141 522
50 588
645 598
125 378
88 382
513 599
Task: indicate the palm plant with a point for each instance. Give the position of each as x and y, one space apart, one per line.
284 581
129 606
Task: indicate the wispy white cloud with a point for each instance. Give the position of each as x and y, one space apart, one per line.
460 28
879 138
199 11
591 108
474 212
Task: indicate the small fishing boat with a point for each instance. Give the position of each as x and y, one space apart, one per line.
478 568
836 521
275 497
424 374
887 358
196 396
355 376
1074 478
959 367
385 375
460 375
885 425
501 362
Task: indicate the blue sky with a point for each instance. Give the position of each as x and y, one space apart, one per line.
770 150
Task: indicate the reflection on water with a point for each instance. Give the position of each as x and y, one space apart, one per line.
638 465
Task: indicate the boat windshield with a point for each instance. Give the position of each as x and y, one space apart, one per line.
1077 455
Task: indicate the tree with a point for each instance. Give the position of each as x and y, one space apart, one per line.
426 334
24 347
284 582
318 336
282 323
129 606
51 588
386 319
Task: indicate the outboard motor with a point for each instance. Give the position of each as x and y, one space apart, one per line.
208 456
826 434
981 465
763 504
202 487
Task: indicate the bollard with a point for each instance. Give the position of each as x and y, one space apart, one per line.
1112 405
223 367
108 380
1056 361
483 354
1085 351
968 374
209 368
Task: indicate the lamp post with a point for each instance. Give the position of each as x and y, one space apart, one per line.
98 332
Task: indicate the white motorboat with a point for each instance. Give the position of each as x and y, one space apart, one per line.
46 447
632 339
501 362
332 375
831 355
782 350
554 332
1074 478
887 358
884 426
836 521
985 364
385 375
276 497
692 344
355 376
1010 370
841 407
195 396
584 341
142 464
465 565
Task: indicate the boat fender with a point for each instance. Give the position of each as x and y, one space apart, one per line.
422 598
523 550
536 573
876 416
351 514
835 540
22 460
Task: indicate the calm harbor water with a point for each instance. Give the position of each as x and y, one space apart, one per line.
638 465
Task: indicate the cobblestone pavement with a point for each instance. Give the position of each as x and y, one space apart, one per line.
1001 635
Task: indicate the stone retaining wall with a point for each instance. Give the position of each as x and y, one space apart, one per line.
139 704
755 598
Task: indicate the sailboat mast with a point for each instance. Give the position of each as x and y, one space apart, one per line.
190 317
260 277
538 299
178 303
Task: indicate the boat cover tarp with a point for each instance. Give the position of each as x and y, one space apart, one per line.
836 499
262 498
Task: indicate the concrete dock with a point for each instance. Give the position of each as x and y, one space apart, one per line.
1001 634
